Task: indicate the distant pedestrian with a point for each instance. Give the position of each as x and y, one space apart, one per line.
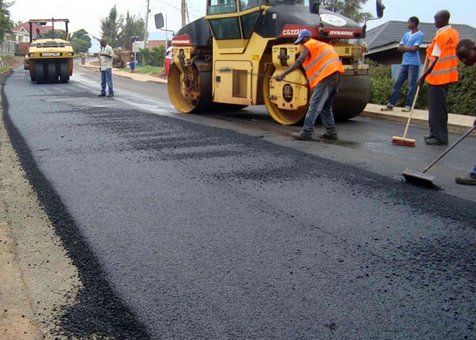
323 71
132 63
441 72
106 55
38 35
466 52
410 67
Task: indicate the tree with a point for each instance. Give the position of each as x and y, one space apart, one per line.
80 41
154 57
349 8
462 95
132 27
111 26
6 23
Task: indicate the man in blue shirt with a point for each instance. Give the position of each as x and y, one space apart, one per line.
410 67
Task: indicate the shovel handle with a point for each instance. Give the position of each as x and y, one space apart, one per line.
450 148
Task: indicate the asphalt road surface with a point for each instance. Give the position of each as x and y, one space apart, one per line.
221 227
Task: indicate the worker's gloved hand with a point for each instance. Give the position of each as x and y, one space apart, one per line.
421 81
279 77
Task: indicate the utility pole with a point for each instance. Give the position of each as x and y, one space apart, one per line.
184 12
146 24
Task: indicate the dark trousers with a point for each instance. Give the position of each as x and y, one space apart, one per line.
321 104
438 111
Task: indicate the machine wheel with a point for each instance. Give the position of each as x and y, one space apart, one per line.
189 92
39 73
52 76
284 117
64 74
353 96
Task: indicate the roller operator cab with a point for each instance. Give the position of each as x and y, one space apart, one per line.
228 59
50 59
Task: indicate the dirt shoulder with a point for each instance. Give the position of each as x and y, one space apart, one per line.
37 279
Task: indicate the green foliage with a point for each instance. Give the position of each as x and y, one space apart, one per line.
132 27
80 41
154 57
380 83
349 8
461 96
117 30
152 70
111 26
6 23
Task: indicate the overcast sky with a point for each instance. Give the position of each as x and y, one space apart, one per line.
87 14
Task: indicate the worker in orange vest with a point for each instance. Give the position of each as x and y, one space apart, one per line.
466 52
441 72
323 71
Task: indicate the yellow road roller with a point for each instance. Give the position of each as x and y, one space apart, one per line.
50 59
228 59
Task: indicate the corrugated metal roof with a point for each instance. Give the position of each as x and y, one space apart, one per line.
392 32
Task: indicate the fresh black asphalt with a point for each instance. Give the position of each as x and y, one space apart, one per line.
185 231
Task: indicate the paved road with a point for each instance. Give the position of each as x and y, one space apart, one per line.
192 231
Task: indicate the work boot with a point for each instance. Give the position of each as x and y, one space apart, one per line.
300 136
110 95
331 134
466 180
102 95
430 136
435 141
389 107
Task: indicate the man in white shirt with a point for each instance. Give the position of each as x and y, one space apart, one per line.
106 55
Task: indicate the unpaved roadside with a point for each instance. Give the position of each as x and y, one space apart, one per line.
37 280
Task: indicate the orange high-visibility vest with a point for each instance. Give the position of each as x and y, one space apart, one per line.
446 68
322 61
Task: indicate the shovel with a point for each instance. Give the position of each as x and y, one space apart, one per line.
421 178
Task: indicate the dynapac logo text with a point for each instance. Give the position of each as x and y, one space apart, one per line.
346 33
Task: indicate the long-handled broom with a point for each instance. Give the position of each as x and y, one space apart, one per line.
421 178
404 141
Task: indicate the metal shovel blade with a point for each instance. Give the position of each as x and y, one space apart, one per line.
419 178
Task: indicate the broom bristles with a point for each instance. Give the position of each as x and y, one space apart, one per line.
403 141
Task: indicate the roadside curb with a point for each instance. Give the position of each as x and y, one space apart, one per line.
456 123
